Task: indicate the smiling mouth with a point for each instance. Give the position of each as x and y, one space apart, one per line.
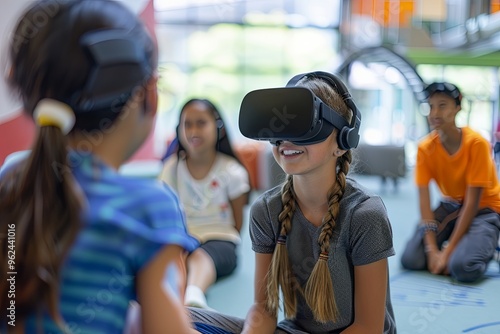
288 153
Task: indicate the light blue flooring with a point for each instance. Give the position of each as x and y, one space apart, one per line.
423 303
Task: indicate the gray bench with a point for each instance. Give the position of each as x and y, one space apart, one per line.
386 161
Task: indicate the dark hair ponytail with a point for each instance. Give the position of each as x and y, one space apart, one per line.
41 206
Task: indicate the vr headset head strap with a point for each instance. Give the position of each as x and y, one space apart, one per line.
113 54
348 133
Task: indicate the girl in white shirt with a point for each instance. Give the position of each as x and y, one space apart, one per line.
213 187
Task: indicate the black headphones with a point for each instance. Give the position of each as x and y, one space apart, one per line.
221 130
348 135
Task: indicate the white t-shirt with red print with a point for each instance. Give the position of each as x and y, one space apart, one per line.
206 202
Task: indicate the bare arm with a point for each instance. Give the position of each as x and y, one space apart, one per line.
370 287
424 198
426 213
258 321
237 206
161 286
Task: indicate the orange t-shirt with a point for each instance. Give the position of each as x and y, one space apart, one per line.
471 166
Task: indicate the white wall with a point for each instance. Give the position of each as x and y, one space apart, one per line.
9 12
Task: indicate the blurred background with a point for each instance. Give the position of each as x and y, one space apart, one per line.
385 50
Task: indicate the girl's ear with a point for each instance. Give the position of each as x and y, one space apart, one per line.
338 152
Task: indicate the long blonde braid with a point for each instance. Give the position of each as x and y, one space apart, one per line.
280 272
319 293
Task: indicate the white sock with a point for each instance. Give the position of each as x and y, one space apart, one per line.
195 297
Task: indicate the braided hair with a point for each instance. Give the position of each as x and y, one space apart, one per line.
318 291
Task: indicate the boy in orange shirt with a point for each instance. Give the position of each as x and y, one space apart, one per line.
460 236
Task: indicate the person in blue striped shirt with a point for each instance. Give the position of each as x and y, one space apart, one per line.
80 242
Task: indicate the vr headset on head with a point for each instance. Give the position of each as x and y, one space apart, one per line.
118 65
297 115
446 88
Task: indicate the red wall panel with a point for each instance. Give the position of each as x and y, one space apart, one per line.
16 134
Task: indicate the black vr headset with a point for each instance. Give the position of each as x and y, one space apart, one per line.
297 115
118 65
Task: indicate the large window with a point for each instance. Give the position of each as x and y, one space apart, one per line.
222 50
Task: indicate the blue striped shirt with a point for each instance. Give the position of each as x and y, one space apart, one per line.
127 221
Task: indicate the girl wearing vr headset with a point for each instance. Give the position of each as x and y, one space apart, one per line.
320 240
213 187
459 237
78 240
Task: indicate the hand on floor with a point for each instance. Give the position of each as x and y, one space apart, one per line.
437 262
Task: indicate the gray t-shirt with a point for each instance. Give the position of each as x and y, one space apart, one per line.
362 235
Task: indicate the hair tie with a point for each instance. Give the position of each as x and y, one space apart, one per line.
323 256
282 239
49 112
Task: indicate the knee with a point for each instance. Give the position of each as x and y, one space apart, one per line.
465 270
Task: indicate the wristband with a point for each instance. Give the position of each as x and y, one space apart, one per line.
429 225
